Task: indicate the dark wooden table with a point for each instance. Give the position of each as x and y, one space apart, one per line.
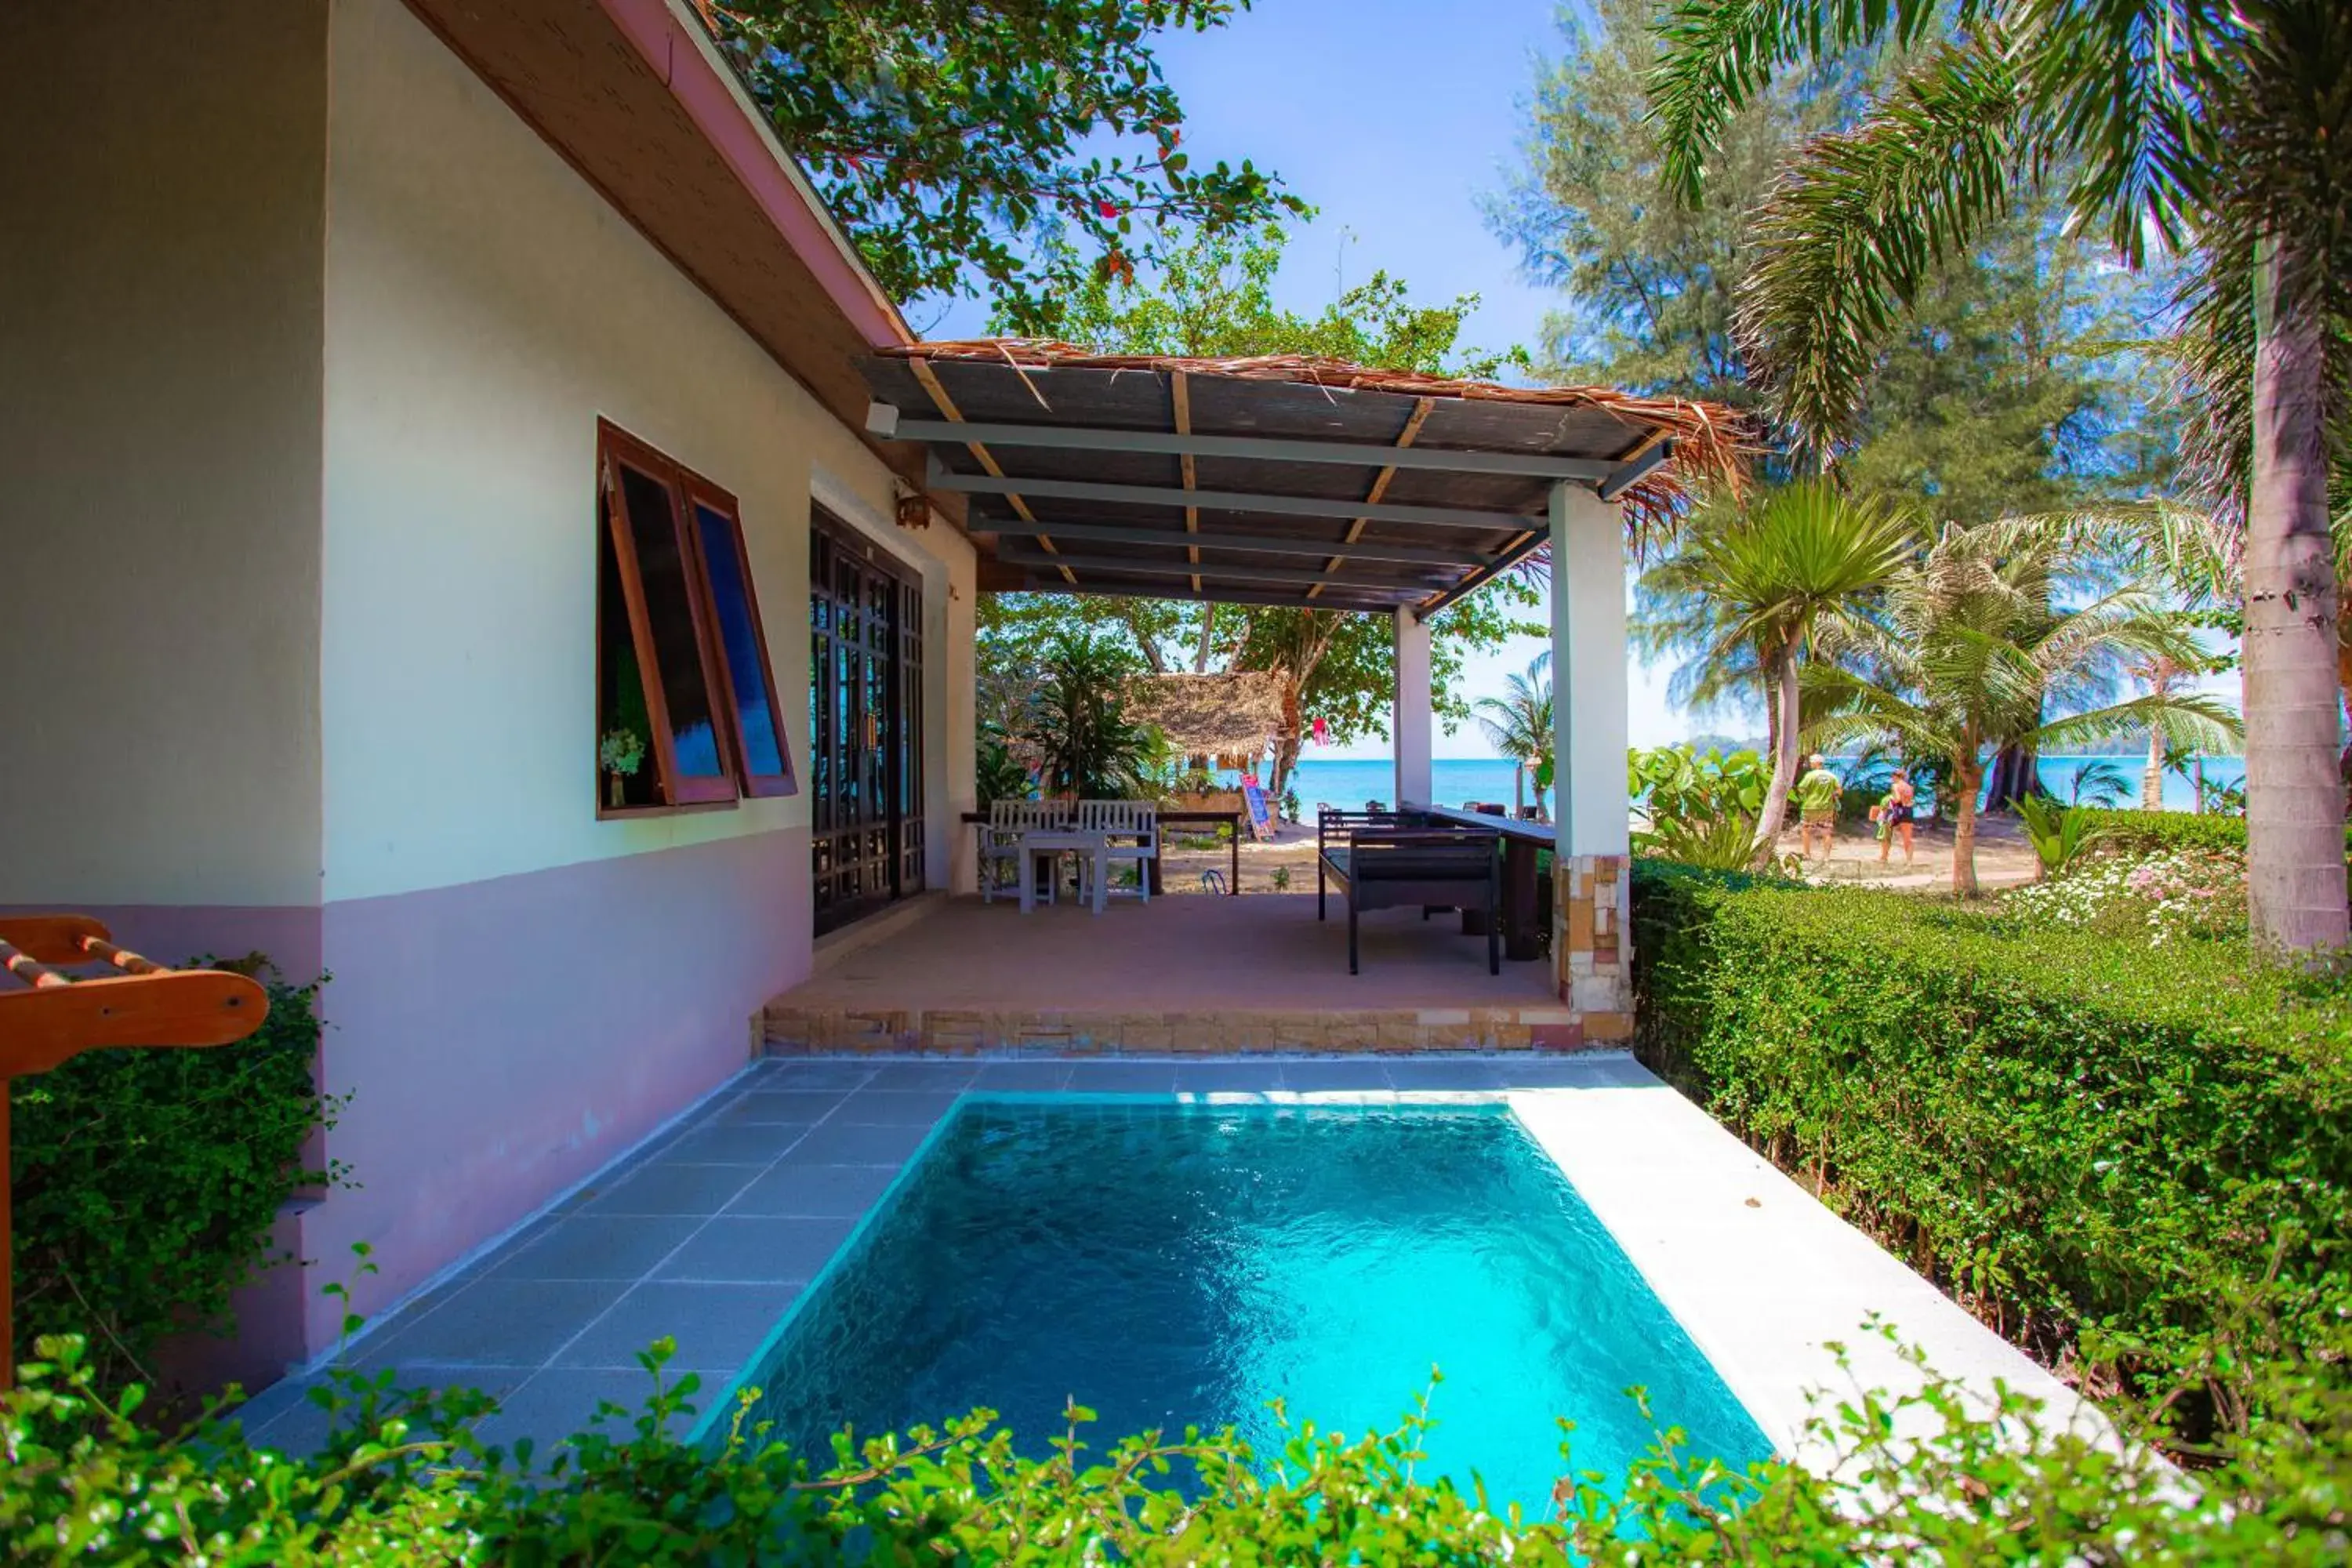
1232 819
1522 842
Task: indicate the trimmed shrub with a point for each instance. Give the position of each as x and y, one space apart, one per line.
405 1481
2146 1154
2149 832
2143 832
147 1182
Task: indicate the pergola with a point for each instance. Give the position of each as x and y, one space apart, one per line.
1319 484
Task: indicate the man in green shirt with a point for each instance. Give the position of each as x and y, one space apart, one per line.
1817 804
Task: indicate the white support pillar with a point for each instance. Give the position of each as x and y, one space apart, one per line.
1589 671
1590 911
1411 719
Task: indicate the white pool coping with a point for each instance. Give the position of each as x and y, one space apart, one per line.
1762 1275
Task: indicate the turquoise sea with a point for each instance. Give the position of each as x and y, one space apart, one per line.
1458 780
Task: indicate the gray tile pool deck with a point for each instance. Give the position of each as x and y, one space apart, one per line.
707 1233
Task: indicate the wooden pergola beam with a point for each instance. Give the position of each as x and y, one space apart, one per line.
1420 417
886 422
1303 575
1097 588
987 459
1231 501
1180 393
1251 544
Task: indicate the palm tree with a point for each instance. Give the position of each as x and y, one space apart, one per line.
1968 645
2216 131
2099 781
1519 723
1772 572
2158 674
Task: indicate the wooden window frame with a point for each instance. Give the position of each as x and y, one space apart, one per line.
701 492
616 450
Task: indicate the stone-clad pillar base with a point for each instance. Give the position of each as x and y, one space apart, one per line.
1591 943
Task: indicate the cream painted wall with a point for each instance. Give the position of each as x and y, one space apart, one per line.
160 396
484 307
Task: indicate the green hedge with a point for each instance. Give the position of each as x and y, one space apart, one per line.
2072 1132
405 1481
2151 831
148 1181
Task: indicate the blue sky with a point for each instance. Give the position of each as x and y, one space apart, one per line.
1394 118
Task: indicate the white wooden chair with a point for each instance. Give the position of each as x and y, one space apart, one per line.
1133 828
1000 841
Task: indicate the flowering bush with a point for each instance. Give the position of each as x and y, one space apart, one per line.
2165 897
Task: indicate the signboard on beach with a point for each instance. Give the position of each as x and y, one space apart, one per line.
1261 815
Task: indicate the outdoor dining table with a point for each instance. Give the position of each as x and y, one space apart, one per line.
1057 842
1230 820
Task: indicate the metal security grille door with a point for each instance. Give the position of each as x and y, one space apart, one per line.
865 727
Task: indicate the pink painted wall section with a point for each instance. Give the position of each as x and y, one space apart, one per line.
658 35
501 1040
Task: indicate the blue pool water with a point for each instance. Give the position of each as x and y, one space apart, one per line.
1168 1263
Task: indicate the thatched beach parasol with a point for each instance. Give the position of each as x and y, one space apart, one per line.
1232 719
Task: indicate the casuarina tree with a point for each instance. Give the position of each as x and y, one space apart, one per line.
2216 133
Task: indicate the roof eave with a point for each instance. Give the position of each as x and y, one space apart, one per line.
674 41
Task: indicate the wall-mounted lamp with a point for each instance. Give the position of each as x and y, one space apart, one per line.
913 507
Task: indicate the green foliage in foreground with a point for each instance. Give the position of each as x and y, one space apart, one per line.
2060 835
2137 1159
406 1482
147 1182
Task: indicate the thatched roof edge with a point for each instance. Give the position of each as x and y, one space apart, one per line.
1227 715
1712 440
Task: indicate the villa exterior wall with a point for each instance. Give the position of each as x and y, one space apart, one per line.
305 352
522 990
161 300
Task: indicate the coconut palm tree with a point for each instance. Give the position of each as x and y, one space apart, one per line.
1968 646
1769 571
2213 131
2160 675
1519 723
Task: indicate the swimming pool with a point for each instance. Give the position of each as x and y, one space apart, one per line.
1168 1262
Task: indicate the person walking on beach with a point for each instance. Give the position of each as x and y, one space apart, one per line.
1818 794
1901 800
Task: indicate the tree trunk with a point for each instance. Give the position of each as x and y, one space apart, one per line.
1970 780
1287 740
2016 773
2295 801
2151 783
1784 758
1208 635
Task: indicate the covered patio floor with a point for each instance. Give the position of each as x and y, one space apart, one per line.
1182 974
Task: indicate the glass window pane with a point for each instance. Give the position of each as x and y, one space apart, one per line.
739 640
669 608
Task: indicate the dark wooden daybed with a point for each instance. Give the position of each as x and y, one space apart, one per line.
1405 860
